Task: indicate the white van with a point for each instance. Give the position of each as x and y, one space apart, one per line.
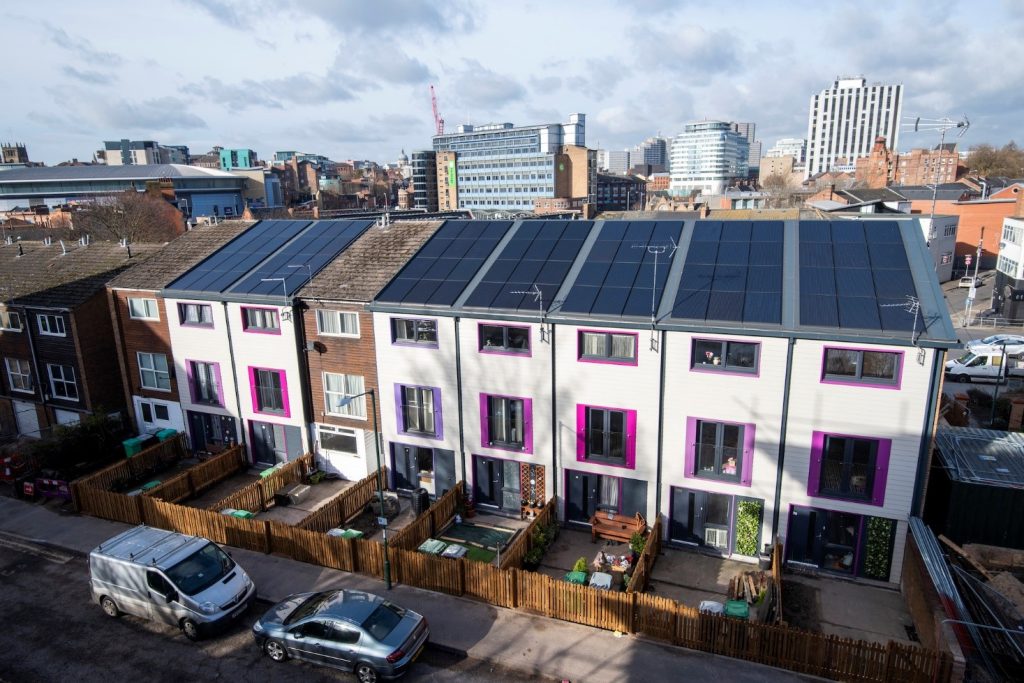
185 581
983 363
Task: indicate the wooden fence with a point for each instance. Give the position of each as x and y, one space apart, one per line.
195 480
346 505
515 552
430 522
135 468
642 571
258 494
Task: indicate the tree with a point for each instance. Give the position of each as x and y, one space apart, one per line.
986 160
135 216
779 190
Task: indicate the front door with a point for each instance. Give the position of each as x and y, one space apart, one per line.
584 495
269 443
26 418
701 518
497 484
211 432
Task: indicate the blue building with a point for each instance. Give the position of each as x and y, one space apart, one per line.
231 159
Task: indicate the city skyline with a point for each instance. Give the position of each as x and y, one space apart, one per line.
350 80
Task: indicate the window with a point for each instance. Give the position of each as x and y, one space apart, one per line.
338 387
10 320
143 309
338 439
62 382
19 375
200 315
204 382
417 410
848 467
854 366
506 421
605 435
337 323
607 347
414 331
263 320
269 391
718 450
721 355
153 371
52 325
504 339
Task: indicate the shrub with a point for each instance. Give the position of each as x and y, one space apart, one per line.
637 542
748 527
581 565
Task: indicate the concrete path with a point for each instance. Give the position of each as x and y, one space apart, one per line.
540 646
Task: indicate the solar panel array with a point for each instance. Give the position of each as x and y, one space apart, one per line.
733 273
443 267
236 258
317 246
850 281
618 275
539 253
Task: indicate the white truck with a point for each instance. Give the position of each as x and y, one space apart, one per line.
984 363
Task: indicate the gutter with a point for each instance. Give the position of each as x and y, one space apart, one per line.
458 395
661 423
299 322
924 451
234 380
782 438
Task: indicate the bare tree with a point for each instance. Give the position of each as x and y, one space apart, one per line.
134 216
986 160
779 189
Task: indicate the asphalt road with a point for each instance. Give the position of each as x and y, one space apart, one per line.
51 631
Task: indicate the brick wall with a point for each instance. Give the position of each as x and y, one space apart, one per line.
973 217
101 374
150 336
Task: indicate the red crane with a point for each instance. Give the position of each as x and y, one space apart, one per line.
438 121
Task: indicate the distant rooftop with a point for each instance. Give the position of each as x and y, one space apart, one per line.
99 172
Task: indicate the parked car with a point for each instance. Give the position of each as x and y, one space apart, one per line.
1014 344
984 363
345 629
185 581
970 282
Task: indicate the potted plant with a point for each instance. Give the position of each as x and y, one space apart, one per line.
581 565
532 558
637 543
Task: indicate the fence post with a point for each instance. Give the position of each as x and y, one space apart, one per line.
270 536
890 656
142 511
631 623
514 591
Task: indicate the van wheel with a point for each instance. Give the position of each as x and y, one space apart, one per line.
275 651
366 673
963 379
109 607
190 629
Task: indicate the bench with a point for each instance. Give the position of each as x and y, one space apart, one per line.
617 527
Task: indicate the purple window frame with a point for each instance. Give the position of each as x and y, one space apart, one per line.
862 383
724 369
257 330
690 455
184 323
629 462
527 424
438 413
414 344
882 452
528 353
287 412
608 361
192 386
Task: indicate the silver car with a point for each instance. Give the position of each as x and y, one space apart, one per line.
1014 344
346 629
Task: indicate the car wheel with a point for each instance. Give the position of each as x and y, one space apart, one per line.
275 650
1020 356
109 607
366 673
190 629
964 379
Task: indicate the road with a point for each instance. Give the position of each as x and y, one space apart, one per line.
53 632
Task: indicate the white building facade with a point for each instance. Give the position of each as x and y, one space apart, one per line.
706 156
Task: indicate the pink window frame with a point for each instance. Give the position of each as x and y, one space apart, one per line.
284 392
256 330
581 437
527 424
862 384
504 352
690 455
608 361
882 454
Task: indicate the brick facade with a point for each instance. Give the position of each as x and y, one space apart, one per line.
134 335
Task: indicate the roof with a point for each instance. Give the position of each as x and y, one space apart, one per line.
101 172
828 279
370 263
178 256
944 191
881 194
981 456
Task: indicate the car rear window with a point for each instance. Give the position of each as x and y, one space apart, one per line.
383 620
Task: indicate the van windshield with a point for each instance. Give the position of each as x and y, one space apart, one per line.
966 358
201 570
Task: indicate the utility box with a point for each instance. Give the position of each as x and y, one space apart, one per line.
292 494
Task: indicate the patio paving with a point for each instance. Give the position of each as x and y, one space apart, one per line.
573 544
319 495
690 576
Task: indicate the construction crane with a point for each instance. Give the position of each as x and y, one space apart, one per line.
438 121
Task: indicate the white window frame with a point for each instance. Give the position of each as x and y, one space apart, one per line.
63 381
26 376
339 317
45 328
150 313
353 386
151 368
342 431
5 321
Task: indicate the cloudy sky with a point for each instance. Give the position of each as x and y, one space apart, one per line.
349 78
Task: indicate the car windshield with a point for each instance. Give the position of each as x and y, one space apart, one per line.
201 569
383 620
312 605
991 340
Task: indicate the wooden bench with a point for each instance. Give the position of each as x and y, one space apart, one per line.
618 528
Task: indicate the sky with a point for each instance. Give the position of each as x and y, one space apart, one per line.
349 79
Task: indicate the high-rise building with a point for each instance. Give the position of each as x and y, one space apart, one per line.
706 156
650 152
747 130
613 161
789 147
505 167
424 180
844 120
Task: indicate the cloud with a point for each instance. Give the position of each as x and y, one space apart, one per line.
600 78
89 76
232 14
393 17
482 88
342 130
160 114
395 66
274 93
690 50
82 48
546 84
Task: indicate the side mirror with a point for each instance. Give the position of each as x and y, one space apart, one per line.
171 596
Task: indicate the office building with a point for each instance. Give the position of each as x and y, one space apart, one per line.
613 161
706 157
747 130
424 180
125 152
844 120
231 159
651 152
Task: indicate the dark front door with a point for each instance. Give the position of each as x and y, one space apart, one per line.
211 432
584 494
497 485
824 538
702 518
405 463
273 444
444 471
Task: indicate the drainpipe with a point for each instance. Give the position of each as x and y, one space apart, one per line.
782 438
234 378
458 391
661 425
298 309
556 433
35 366
924 451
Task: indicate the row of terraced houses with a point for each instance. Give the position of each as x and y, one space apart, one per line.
681 369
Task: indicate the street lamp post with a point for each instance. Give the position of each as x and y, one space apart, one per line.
380 481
